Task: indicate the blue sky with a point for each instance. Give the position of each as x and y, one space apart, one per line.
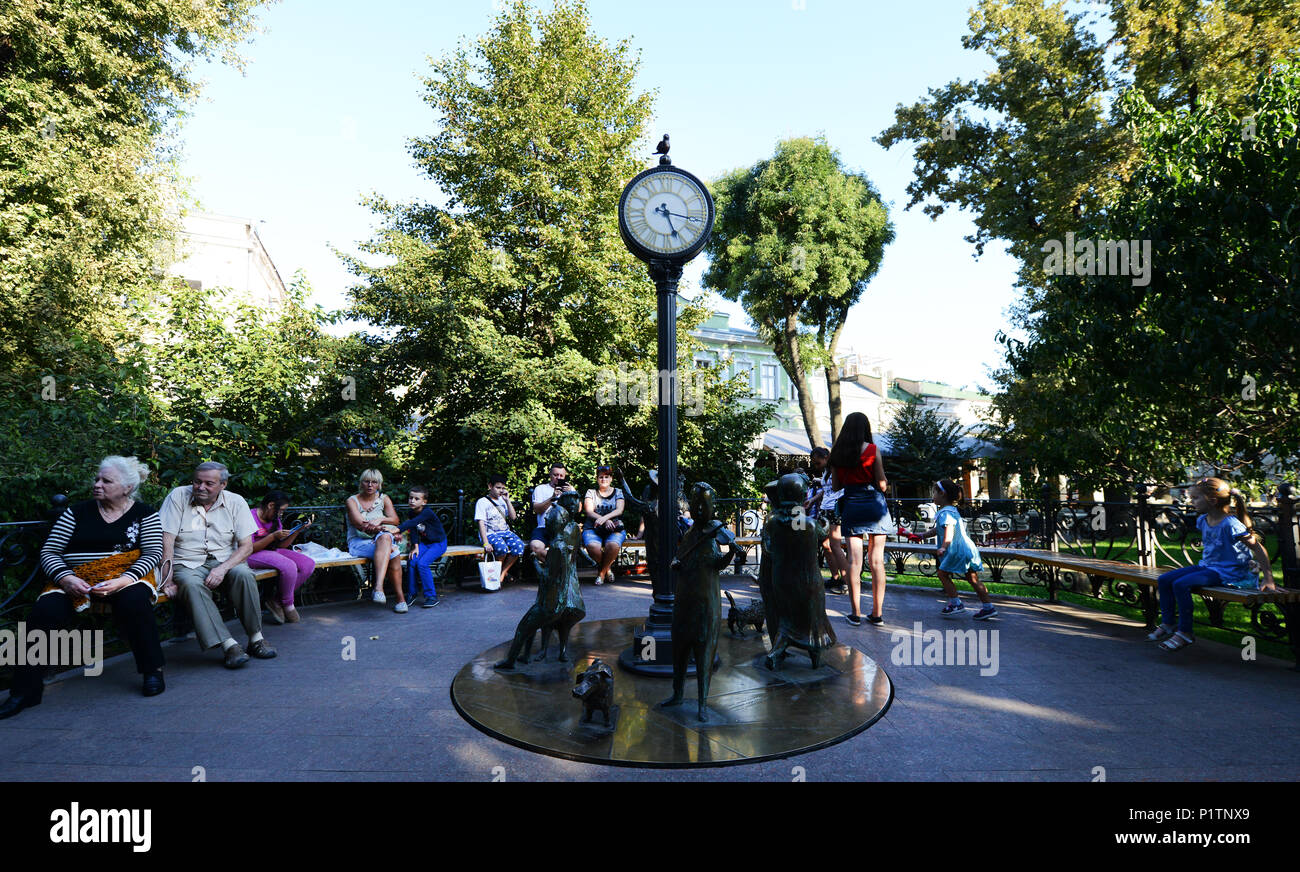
331 94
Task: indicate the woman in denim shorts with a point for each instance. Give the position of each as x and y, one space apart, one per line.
602 531
857 467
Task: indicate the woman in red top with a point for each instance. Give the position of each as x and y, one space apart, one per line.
857 467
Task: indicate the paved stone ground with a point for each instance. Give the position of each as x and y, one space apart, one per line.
1075 689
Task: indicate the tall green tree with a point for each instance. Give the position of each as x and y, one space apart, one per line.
796 241
87 91
506 300
1120 380
201 376
923 448
1033 149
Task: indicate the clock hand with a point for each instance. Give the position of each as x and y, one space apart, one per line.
663 210
687 217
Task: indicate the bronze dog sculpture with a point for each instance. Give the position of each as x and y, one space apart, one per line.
595 687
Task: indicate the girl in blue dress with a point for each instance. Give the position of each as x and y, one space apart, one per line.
957 553
1227 545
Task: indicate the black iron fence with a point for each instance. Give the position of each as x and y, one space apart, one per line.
1142 531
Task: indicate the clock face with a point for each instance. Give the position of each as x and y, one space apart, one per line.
666 213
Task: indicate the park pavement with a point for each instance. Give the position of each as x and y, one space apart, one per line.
1078 695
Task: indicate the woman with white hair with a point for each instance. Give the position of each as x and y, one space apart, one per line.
104 550
371 527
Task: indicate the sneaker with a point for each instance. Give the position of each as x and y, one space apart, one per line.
854 620
378 596
875 619
235 657
400 608
275 610
988 611
261 650
429 603
951 610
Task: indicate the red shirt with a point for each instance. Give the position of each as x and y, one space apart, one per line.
864 473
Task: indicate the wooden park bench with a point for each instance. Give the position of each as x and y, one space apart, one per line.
1128 582
1005 538
745 542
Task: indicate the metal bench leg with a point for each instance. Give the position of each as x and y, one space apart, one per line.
1147 602
1291 612
1215 608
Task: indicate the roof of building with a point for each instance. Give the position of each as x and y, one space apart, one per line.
939 389
796 442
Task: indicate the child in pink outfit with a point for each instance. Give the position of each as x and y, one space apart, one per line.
273 549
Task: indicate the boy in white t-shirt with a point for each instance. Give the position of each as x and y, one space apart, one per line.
494 513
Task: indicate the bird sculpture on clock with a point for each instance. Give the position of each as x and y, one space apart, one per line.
665 213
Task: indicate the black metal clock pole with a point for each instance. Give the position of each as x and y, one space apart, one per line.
652 646
651 651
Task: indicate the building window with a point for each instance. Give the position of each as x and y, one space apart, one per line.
769 381
744 369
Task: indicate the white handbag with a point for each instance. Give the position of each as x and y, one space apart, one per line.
490 573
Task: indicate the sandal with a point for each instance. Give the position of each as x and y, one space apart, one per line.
1175 642
1159 634
600 579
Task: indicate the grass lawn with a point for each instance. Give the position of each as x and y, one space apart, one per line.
1127 551
1236 619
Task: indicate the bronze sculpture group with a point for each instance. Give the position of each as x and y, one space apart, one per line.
559 604
790 581
697 607
789 577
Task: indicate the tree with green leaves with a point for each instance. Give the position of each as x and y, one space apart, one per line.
1120 380
511 301
201 377
796 240
1034 149
87 90
923 448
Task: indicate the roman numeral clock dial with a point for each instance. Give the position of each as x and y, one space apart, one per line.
665 213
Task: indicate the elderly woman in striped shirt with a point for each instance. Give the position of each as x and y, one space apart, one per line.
103 550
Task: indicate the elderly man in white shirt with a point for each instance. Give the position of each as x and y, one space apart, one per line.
208 535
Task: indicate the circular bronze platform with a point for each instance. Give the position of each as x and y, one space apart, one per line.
754 713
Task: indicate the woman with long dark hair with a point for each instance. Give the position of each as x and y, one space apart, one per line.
856 466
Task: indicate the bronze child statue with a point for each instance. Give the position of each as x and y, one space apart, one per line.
794 598
697 608
558 600
562 570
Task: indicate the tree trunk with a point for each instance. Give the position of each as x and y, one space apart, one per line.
832 372
793 365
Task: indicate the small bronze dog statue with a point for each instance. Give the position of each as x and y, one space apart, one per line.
739 618
595 687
